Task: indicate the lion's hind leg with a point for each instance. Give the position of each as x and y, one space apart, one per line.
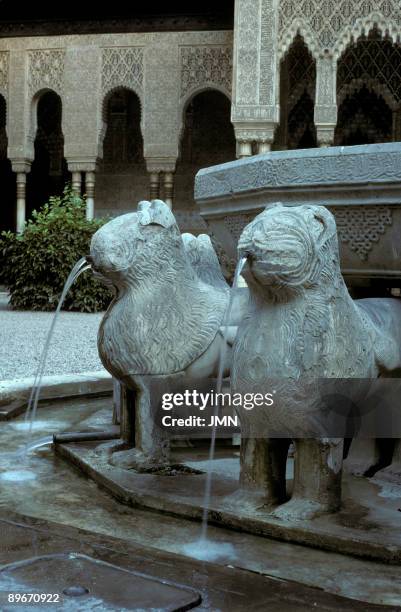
392 473
317 479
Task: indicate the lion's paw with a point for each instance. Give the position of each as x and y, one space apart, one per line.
391 473
300 509
134 459
249 501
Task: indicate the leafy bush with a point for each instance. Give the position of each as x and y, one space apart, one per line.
36 263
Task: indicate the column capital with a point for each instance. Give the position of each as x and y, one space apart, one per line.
21 166
325 134
262 132
84 164
160 164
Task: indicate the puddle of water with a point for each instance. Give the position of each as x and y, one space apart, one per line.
17 476
39 425
389 490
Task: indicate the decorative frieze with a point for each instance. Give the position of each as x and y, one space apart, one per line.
350 166
206 66
122 67
46 70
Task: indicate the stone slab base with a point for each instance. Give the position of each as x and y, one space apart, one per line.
368 526
14 394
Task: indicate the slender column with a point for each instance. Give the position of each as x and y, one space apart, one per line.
325 115
76 183
264 146
154 188
325 138
161 178
21 206
244 148
168 178
90 194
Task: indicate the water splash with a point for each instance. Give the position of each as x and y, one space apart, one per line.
206 550
30 414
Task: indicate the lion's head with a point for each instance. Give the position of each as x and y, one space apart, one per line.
138 246
289 246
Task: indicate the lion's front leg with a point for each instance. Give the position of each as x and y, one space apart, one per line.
147 445
317 479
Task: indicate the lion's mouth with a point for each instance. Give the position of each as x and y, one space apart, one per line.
96 271
276 262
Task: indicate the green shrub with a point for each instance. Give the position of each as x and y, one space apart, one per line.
36 263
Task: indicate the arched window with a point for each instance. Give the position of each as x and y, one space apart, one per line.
122 178
369 90
297 94
207 139
49 172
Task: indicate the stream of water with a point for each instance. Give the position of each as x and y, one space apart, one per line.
30 414
203 548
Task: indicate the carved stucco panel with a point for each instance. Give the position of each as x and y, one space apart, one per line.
247 52
326 81
325 105
362 227
268 88
122 67
46 70
4 62
205 65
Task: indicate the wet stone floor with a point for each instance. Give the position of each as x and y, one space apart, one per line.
45 502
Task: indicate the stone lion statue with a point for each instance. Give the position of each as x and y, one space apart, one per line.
164 324
302 331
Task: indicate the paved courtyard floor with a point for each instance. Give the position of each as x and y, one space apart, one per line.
22 336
